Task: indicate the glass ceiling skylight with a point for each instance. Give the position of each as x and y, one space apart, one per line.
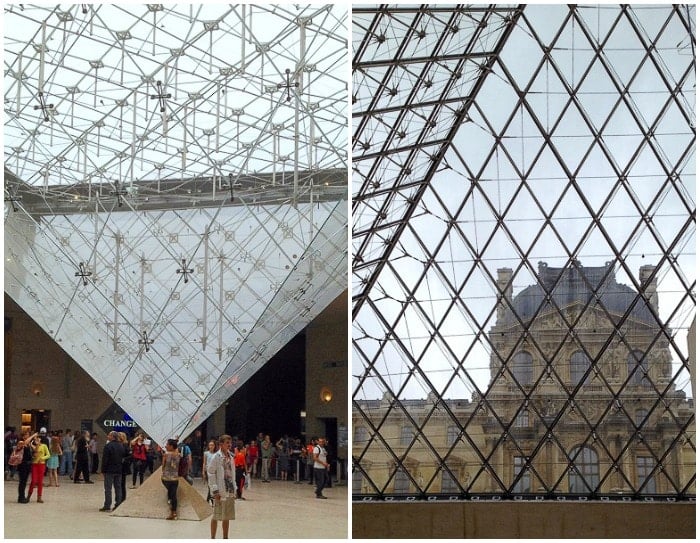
96 93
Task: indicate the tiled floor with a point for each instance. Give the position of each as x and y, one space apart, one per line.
276 510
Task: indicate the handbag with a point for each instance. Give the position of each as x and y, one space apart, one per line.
16 457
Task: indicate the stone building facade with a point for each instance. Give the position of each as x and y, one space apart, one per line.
581 399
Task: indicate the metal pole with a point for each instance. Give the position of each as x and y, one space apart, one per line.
296 477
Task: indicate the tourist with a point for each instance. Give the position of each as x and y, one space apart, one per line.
25 467
266 453
310 461
11 440
52 462
208 455
82 458
283 457
67 457
220 473
320 467
138 453
196 447
239 454
93 447
112 456
169 476
185 451
126 464
40 454
252 458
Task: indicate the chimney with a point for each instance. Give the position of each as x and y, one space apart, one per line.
505 290
647 283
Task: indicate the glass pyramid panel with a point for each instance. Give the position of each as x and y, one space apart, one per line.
537 287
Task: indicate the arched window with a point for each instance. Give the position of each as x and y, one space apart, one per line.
637 368
578 367
522 368
584 478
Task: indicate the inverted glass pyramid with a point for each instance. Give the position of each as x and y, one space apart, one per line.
175 220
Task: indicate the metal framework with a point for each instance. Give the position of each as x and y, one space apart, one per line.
175 189
486 139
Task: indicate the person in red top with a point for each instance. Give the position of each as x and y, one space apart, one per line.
309 474
139 455
239 455
252 458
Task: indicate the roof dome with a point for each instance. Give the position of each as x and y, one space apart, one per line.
577 284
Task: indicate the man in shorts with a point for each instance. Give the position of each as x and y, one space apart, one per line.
221 473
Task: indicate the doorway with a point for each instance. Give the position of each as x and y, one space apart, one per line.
35 419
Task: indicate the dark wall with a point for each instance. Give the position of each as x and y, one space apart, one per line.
272 399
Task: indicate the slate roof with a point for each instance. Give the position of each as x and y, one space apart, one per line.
577 284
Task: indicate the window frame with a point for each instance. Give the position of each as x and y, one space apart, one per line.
587 462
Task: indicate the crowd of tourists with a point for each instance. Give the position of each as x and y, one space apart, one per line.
227 464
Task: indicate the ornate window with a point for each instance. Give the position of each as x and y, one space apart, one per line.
584 476
522 368
523 418
578 367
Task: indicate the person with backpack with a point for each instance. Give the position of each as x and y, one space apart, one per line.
321 466
185 465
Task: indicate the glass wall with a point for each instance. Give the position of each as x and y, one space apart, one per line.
523 265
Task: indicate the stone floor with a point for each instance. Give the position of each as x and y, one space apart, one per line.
279 510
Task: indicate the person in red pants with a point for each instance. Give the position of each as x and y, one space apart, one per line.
40 454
